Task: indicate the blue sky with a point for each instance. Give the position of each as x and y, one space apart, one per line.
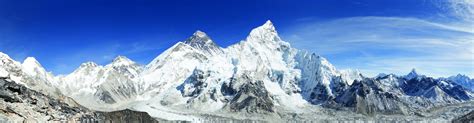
374 36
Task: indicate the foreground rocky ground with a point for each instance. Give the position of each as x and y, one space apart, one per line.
18 103
468 118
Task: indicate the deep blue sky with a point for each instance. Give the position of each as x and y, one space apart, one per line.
62 34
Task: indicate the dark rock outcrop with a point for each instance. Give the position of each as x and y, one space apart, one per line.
468 118
251 97
19 102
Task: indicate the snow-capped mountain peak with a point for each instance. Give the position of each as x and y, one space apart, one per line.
32 67
88 64
264 33
201 41
268 25
412 74
462 80
200 34
461 77
122 61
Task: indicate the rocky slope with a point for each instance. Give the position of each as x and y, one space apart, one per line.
262 76
19 103
468 118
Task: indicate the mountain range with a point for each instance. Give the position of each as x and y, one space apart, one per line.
259 78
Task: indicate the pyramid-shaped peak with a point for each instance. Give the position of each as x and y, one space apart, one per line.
268 25
122 60
31 62
413 71
200 33
412 74
198 37
201 41
265 32
31 66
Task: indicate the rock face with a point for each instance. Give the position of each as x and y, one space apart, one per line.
368 97
94 86
261 74
251 98
468 118
462 80
122 116
391 94
21 103
202 42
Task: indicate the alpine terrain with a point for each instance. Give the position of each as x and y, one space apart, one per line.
260 78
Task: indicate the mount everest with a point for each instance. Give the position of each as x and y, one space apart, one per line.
261 78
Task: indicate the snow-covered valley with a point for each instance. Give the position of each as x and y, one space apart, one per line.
260 78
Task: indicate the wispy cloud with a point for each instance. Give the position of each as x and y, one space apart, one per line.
389 44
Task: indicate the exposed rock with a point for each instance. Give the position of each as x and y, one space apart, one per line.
19 103
122 116
252 98
468 118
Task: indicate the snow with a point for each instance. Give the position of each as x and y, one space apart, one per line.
349 75
200 34
462 80
32 67
188 78
413 74
122 61
3 73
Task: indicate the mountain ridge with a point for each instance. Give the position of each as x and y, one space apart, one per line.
261 74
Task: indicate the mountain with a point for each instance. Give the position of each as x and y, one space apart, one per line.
202 42
106 87
30 73
20 103
462 80
259 77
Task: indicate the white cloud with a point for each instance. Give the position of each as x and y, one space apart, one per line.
389 44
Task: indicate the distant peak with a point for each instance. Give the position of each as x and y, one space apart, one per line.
89 64
200 34
198 37
201 41
122 60
413 72
31 62
461 75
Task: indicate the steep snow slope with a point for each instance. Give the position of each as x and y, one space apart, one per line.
30 73
109 87
462 80
261 74
202 42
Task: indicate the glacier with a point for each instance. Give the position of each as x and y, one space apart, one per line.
259 78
